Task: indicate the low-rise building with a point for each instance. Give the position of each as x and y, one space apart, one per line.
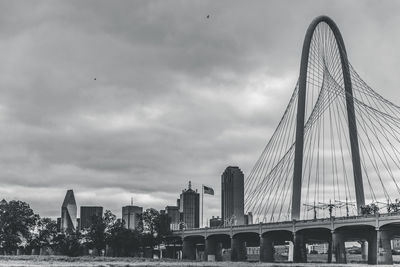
216 222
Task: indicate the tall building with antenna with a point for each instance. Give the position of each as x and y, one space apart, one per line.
131 215
189 206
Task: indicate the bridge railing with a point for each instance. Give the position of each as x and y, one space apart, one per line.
342 218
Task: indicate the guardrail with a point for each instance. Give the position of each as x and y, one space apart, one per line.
342 218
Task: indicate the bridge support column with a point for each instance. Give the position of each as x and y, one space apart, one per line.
364 250
339 249
266 249
373 248
212 250
300 252
238 249
330 246
290 252
384 247
188 250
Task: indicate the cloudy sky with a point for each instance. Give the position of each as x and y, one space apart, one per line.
121 99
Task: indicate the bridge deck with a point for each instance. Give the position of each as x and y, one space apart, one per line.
376 221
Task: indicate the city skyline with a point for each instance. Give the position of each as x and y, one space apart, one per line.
105 138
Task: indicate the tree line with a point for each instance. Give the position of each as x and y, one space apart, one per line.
22 229
391 207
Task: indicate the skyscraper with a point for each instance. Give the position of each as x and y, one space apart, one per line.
68 213
232 196
130 215
174 217
87 215
190 207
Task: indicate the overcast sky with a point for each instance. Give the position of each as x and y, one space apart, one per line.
121 99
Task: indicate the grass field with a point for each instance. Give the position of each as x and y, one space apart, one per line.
317 260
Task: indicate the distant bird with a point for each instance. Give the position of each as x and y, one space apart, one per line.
95 79
208 16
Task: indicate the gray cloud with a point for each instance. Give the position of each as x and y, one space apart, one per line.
176 96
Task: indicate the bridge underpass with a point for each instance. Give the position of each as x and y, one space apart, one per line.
173 247
240 242
271 239
385 234
360 233
310 236
215 244
193 247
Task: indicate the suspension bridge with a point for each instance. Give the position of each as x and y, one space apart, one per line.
336 148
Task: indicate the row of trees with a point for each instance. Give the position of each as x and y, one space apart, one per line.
369 209
20 228
374 209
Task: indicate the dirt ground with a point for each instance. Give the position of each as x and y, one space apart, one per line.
15 261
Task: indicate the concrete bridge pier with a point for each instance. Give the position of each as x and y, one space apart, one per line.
300 251
339 250
189 249
266 249
238 249
364 250
372 249
384 247
330 246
